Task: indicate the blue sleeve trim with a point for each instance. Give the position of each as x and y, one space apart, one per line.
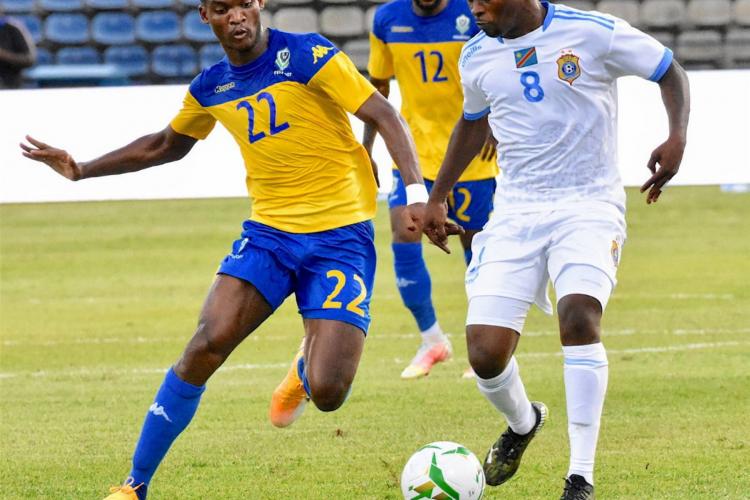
663 66
476 116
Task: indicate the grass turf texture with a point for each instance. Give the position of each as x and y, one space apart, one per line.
97 299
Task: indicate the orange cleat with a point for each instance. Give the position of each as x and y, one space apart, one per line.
289 399
126 491
427 356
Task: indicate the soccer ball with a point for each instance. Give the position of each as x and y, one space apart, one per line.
443 471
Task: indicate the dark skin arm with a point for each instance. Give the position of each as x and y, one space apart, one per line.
467 140
148 151
380 115
675 93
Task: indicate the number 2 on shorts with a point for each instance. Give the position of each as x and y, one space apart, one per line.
352 306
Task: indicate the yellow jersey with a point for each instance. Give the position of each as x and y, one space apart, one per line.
287 111
422 53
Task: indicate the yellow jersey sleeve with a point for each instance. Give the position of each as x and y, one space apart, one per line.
380 64
341 81
193 119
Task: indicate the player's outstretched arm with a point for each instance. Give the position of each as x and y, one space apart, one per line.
148 151
467 140
675 93
368 137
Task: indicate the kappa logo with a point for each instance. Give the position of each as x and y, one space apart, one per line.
403 282
282 60
238 253
159 411
402 29
319 52
223 88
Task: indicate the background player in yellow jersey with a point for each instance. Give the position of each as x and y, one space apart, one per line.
418 42
284 98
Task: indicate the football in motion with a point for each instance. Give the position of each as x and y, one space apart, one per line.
443 470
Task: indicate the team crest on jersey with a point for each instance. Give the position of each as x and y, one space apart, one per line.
319 52
283 57
463 24
615 253
568 66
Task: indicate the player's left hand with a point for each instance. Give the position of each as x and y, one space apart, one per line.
414 217
437 227
669 156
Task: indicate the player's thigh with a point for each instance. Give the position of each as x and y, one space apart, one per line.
266 258
585 253
470 203
332 353
399 219
336 278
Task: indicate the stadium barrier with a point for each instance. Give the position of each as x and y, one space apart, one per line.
91 121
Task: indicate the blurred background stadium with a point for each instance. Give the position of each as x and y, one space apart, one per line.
164 41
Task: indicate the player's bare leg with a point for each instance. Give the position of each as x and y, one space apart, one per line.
491 351
323 370
415 287
586 373
466 238
232 310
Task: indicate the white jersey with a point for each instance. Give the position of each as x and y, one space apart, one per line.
551 96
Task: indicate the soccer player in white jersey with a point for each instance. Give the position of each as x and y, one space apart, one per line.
543 77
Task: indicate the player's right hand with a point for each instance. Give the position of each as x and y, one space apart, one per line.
436 225
58 159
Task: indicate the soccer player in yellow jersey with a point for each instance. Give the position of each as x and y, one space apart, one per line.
284 98
418 42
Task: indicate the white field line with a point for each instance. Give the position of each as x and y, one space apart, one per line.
373 336
82 372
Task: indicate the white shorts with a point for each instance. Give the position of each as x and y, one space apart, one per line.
516 254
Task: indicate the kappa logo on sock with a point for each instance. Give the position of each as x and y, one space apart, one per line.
403 282
159 411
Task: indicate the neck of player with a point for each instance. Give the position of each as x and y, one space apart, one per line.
242 57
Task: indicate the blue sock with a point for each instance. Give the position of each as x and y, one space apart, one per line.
172 410
467 256
302 374
414 282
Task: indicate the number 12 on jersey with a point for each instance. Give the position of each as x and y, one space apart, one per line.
434 54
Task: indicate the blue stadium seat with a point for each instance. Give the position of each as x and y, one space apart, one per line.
33 24
113 28
17 6
152 4
68 29
132 59
160 26
210 54
174 60
107 4
61 5
196 30
43 57
78 55
190 3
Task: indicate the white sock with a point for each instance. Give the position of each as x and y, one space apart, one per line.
586 371
507 394
433 335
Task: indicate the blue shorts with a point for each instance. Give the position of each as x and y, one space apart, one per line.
469 203
330 272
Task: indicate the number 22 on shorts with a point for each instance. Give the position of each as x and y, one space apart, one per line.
353 306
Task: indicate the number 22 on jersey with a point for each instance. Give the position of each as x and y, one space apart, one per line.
273 129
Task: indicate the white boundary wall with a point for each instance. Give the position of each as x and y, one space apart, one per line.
92 121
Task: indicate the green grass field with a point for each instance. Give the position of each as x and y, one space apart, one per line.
97 299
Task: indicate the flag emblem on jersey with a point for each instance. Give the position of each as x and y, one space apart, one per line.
526 57
615 253
568 67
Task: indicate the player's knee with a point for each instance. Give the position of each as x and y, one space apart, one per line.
579 322
485 362
328 395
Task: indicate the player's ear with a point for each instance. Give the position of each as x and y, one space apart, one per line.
203 12
262 4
